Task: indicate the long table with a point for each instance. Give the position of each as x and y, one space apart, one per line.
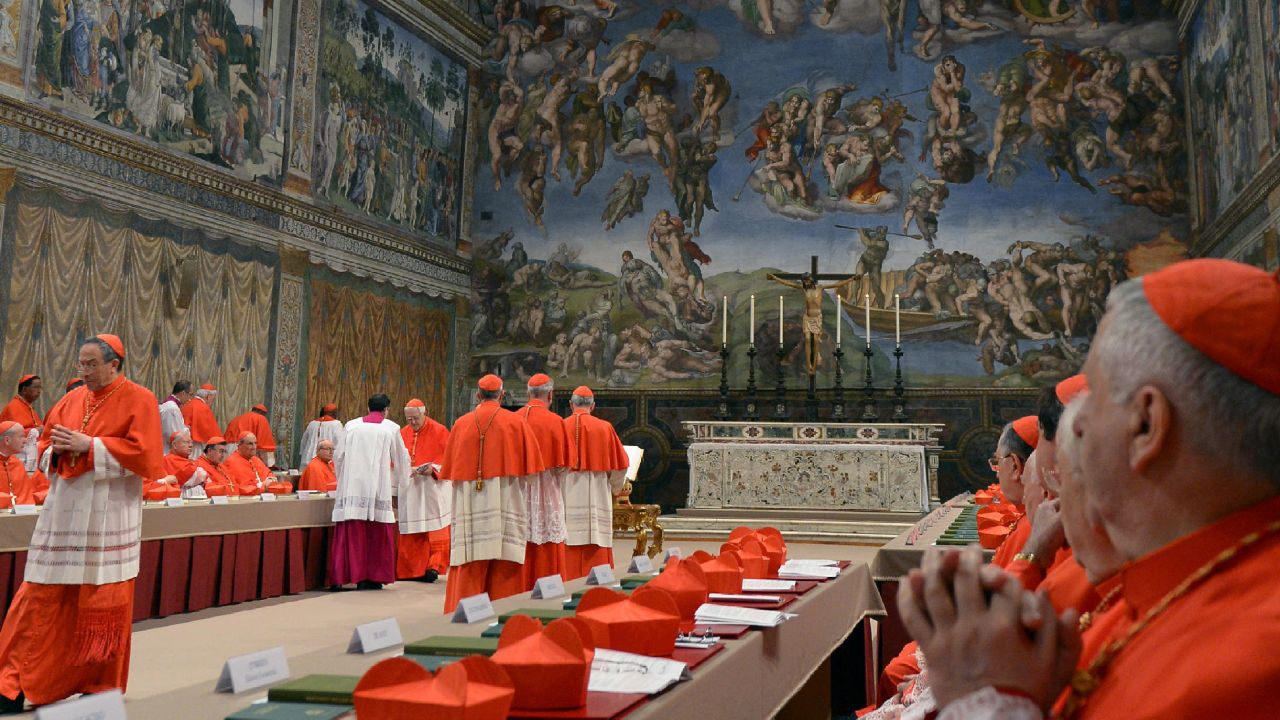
895 559
791 671
199 555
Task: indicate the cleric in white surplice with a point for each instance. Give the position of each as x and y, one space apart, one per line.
371 461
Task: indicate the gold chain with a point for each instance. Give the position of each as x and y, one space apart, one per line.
91 407
1086 619
1085 682
480 454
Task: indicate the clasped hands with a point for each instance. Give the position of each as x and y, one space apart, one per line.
978 628
66 440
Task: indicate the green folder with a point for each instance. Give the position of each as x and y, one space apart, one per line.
631 582
452 646
546 615
323 689
291 711
431 662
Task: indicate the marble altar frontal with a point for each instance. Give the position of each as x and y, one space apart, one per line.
846 466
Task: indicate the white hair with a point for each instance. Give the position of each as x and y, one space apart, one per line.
579 401
1228 417
202 393
541 391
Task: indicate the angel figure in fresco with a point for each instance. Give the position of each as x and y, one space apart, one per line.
1011 88
692 187
533 183
931 16
586 138
505 144
625 198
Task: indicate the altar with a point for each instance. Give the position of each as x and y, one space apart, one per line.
886 467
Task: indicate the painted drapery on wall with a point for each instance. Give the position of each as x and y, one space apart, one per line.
187 306
360 343
1000 166
207 78
390 122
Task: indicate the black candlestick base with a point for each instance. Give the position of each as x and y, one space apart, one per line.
752 411
837 403
722 408
899 402
780 411
869 413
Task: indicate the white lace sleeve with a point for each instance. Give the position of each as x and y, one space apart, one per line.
988 704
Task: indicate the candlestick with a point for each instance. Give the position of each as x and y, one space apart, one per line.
722 408
751 330
724 323
869 393
867 306
899 402
837 404
781 329
897 320
780 411
752 411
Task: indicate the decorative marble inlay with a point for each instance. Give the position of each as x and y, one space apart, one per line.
806 475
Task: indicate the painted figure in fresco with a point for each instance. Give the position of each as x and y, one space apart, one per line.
642 284
931 14
671 248
533 183
624 63
1008 288
1075 281
711 91
1145 192
822 118
1011 88
587 352
893 15
586 138
691 186
558 355
945 91
625 198
350 135
760 14
811 322
782 170
925 199
1041 261
581 32
998 345
876 244
505 144
78 56
552 135
656 111
769 116
856 172
1156 71
331 137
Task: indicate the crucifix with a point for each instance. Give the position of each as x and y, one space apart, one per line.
810 284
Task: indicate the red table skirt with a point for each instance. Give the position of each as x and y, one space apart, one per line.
180 575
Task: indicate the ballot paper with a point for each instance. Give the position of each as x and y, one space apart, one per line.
811 561
620 672
710 613
768 585
807 572
724 597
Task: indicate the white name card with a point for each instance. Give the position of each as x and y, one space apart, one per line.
107 705
218 500
473 609
24 509
601 575
267 497
640 564
551 586
173 502
672 552
255 670
375 636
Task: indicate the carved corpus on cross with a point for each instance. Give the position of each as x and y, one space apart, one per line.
811 284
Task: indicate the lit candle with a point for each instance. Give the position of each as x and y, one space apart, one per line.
724 323
897 319
751 329
867 306
838 323
780 327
